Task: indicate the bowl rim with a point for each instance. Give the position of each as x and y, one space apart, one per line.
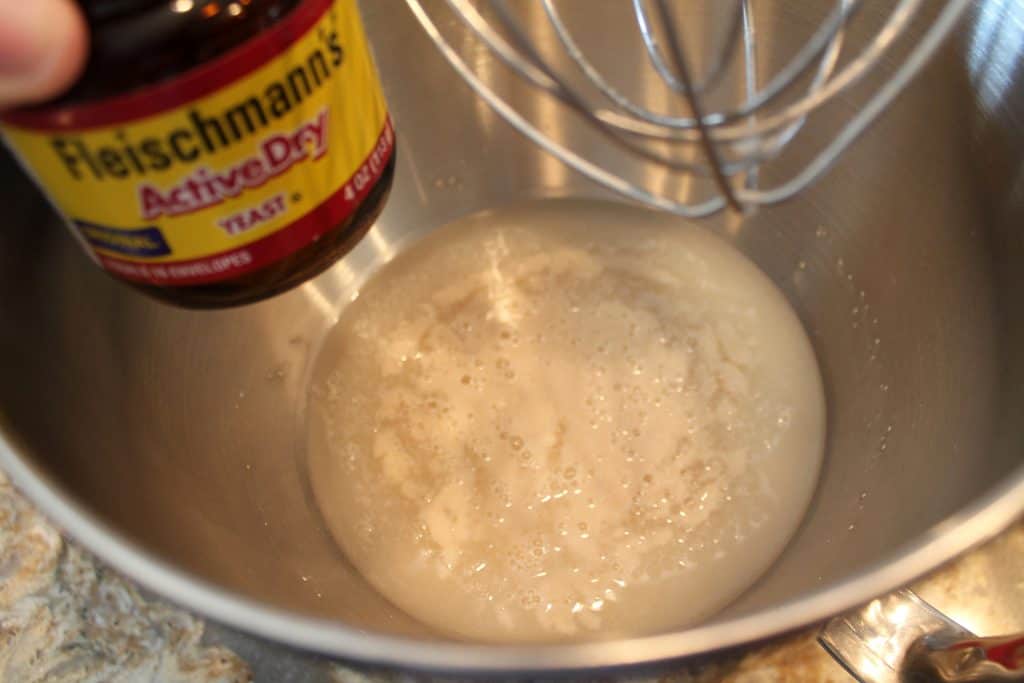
977 522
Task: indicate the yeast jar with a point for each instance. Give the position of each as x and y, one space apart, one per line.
215 152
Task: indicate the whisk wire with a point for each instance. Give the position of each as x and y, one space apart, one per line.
679 65
718 67
525 52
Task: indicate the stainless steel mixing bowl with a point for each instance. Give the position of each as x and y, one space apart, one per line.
171 443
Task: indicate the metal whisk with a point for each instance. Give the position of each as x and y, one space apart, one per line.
728 146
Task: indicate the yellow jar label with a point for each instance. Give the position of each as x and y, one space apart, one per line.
228 168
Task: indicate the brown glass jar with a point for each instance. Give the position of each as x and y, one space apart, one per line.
215 152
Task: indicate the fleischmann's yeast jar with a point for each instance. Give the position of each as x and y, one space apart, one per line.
215 152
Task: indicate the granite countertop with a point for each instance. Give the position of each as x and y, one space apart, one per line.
66 618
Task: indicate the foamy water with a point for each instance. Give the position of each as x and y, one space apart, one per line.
567 420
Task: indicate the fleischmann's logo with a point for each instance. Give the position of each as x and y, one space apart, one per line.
202 133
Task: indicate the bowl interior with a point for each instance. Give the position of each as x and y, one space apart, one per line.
184 432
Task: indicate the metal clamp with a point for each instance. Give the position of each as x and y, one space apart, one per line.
902 639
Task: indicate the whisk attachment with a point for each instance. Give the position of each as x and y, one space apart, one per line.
728 149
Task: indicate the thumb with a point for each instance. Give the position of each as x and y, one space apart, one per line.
43 46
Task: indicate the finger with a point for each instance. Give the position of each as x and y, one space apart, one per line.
43 45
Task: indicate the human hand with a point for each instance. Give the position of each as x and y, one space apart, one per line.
43 46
